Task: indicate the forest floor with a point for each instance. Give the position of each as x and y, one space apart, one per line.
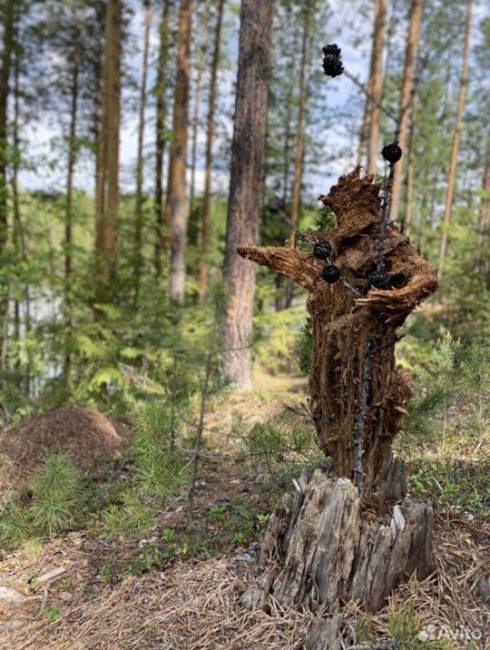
178 586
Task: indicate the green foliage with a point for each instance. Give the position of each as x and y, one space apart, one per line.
15 525
452 483
283 445
160 466
365 629
437 380
56 502
51 614
131 518
276 334
403 624
57 495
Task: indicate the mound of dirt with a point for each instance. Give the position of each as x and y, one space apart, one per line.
89 438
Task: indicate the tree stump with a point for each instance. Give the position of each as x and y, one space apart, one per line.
353 534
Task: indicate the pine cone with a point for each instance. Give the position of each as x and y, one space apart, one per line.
331 273
332 61
322 250
379 279
392 152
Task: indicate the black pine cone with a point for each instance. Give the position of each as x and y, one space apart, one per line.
392 152
379 279
331 273
322 250
332 61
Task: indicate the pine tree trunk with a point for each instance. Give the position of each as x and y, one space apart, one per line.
161 116
483 257
300 135
210 128
107 199
413 40
453 161
72 157
406 226
138 207
331 541
5 72
8 46
363 132
175 207
200 60
376 82
246 182
299 151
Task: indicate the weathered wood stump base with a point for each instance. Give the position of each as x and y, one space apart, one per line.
321 547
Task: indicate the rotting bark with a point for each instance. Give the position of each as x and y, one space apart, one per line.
345 537
320 547
343 324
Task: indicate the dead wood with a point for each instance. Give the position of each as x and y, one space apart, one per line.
345 323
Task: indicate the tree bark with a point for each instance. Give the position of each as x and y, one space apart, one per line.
413 40
6 63
210 128
200 61
376 82
175 207
246 182
346 324
107 198
138 207
483 257
299 151
72 157
406 226
161 116
300 136
320 548
330 541
453 161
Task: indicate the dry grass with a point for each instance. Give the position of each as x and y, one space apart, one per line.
194 606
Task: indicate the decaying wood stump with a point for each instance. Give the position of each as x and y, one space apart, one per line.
344 536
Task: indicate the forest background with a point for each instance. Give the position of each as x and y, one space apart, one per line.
116 122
